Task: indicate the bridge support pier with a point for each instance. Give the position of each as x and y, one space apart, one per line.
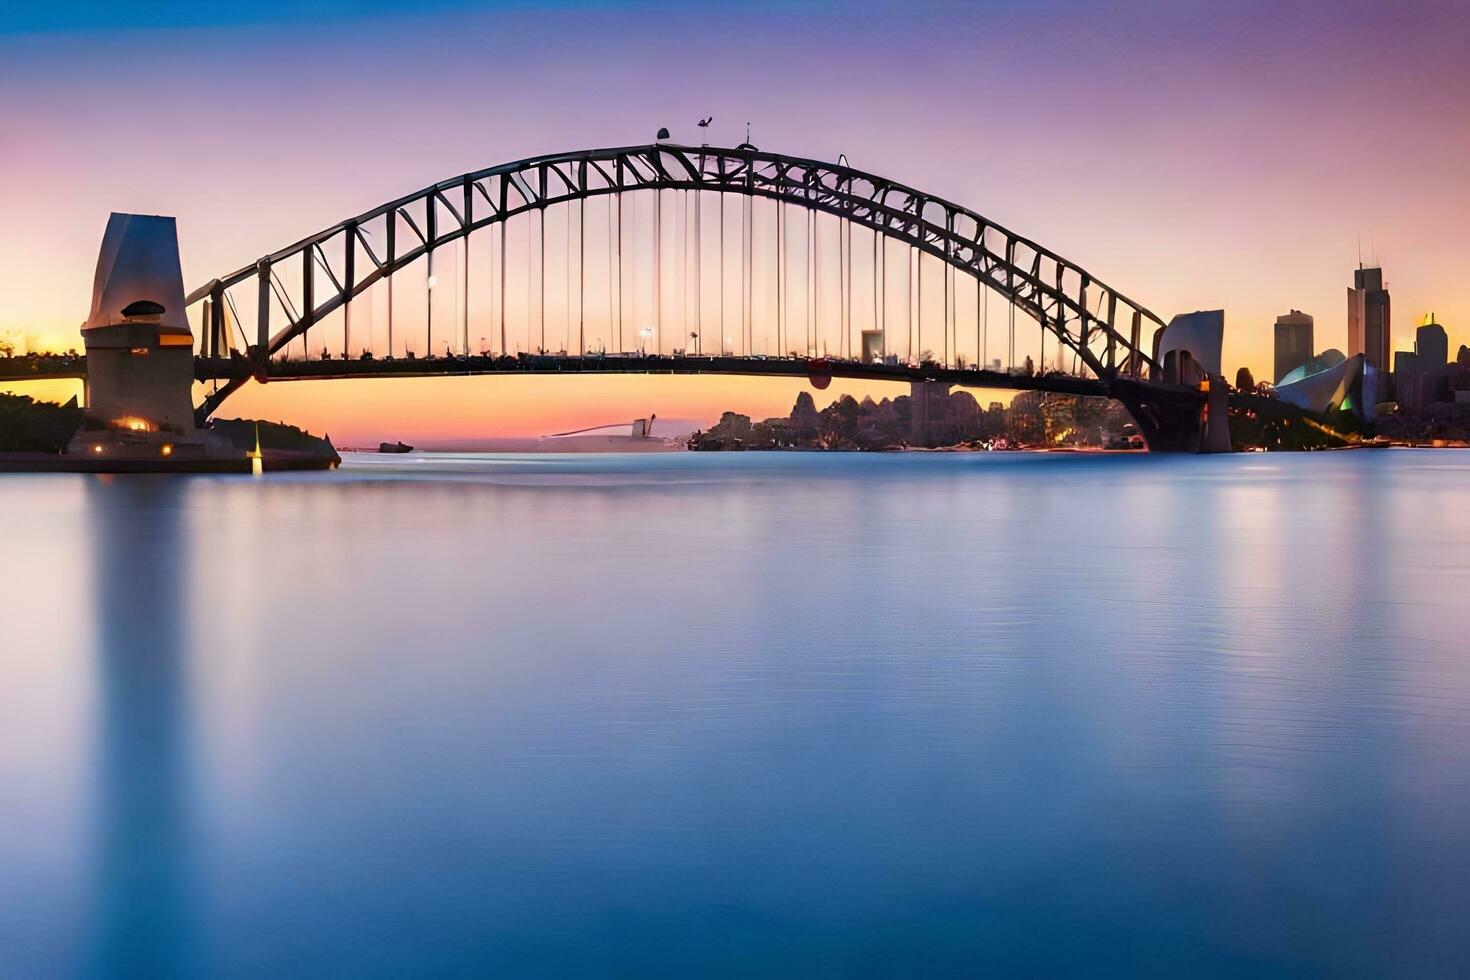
140 351
1179 420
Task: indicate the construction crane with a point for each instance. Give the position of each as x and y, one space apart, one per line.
642 429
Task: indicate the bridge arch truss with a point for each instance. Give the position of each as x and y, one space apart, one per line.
1104 328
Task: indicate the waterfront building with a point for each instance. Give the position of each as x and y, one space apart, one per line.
1293 342
1369 319
1431 345
1330 382
1405 363
1422 378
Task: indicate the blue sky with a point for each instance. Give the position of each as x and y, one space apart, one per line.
19 16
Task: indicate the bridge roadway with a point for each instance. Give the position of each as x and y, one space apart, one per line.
43 367
49 368
240 369
1168 415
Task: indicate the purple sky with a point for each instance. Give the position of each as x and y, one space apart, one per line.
1195 155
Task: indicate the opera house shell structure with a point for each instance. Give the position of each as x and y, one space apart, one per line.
1188 349
1330 382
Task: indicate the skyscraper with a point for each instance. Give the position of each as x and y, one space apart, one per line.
1293 342
1368 319
1422 378
1431 346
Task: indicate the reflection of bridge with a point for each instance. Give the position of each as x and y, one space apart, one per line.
775 265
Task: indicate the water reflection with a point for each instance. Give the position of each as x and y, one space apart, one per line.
694 716
142 923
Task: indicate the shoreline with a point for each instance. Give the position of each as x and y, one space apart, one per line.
270 463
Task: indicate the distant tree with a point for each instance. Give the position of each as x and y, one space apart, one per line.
845 414
1244 380
964 415
30 426
804 417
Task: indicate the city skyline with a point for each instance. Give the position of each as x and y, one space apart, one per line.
1198 205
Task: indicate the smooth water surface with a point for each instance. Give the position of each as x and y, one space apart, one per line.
745 714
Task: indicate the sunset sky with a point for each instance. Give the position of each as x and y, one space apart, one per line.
1196 155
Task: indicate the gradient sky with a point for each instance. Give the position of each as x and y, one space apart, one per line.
1196 155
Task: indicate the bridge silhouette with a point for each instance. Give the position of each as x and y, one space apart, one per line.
315 309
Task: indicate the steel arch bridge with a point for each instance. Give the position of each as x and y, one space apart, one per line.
1102 326
298 287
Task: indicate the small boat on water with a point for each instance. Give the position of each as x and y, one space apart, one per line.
394 447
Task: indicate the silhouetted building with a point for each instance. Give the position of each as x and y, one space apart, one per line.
1432 345
1369 321
929 422
1422 378
1293 342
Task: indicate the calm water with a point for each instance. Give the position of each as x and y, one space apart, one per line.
740 715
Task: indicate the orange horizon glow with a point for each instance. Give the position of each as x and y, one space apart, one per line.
366 411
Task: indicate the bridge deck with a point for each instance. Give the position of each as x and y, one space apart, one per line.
221 369
15 369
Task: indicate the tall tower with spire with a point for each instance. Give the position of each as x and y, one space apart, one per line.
1369 319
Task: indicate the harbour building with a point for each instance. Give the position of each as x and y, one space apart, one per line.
1293 343
1369 319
